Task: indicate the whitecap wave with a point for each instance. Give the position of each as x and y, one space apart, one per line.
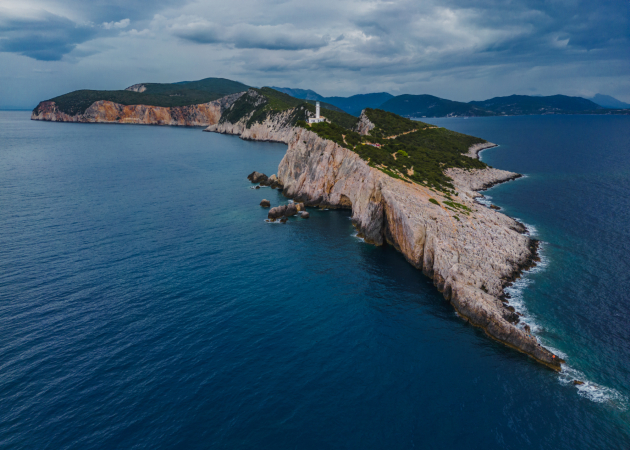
356 235
485 200
590 390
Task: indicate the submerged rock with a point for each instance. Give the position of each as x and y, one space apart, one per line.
577 382
265 203
283 219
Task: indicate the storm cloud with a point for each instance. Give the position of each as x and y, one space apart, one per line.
458 49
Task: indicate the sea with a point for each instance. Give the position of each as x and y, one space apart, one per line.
146 304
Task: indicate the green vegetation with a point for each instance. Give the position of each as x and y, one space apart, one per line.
166 95
434 201
336 133
271 102
458 207
390 124
405 149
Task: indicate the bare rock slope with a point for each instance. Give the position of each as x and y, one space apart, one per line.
471 253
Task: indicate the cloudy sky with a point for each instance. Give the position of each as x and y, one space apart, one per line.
457 49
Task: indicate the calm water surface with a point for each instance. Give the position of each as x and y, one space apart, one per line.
145 303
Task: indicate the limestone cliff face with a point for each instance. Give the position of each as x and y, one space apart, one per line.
108 112
137 88
274 129
471 256
364 125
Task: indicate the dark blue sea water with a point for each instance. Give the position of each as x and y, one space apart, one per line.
145 303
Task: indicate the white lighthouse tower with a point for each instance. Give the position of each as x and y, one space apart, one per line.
317 118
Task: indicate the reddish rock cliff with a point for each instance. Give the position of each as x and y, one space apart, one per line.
204 114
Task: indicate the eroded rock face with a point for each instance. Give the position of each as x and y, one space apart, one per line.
275 129
471 256
102 111
137 88
257 177
364 125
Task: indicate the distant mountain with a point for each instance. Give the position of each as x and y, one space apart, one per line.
325 105
154 94
357 103
527 104
304 94
609 102
352 105
431 106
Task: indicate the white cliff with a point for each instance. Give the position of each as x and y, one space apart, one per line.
471 252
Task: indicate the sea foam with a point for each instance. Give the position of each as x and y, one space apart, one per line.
590 390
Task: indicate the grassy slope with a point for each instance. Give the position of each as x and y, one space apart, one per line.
421 154
275 102
175 94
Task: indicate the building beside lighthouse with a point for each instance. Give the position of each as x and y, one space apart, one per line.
317 118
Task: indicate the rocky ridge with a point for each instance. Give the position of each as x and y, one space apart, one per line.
474 149
102 111
471 252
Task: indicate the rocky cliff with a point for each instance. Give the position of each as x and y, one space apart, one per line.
108 112
471 252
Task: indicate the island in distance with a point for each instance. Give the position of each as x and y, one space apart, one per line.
408 184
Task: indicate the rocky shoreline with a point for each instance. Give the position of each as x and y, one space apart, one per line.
475 149
471 252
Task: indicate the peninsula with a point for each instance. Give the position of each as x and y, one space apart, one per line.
409 184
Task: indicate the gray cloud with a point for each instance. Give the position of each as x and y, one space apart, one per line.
46 37
460 49
245 36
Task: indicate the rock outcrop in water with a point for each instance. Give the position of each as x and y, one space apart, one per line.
102 111
471 252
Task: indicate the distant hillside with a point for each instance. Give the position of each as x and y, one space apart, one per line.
609 102
304 94
352 105
357 103
326 105
431 106
526 105
153 94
